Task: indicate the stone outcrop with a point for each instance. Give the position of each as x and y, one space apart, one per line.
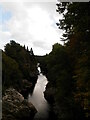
15 107
49 93
26 88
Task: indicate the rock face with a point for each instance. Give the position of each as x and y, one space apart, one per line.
26 88
15 107
49 93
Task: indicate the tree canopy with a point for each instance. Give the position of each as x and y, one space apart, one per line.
18 64
68 66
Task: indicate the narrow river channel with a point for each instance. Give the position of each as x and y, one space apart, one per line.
38 100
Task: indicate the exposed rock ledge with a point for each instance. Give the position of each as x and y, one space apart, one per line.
15 107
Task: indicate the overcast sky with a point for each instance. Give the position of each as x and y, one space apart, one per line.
32 24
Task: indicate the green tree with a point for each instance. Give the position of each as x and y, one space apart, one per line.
22 56
31 52
12 76
60 79
76 24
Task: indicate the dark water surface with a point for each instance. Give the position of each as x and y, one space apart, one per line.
38 100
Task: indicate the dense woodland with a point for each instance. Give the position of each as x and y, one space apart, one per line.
67 67
18 63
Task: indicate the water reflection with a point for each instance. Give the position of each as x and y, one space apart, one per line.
37 98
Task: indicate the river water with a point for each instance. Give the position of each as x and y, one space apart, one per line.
38 100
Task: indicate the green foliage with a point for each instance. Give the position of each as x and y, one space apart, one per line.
76 24
60 77
76 19
11 73
25 60
18 64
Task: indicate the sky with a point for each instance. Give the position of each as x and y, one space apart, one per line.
30 23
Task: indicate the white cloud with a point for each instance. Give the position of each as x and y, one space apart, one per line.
4 37
32 25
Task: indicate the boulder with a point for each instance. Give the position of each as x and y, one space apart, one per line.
15 107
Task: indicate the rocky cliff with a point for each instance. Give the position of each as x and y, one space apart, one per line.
15 107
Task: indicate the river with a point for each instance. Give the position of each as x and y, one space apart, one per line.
38 100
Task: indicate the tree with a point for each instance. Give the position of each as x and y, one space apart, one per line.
24 46
31 52
11 74
27 66
76 19
60 79
27 49
75 22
